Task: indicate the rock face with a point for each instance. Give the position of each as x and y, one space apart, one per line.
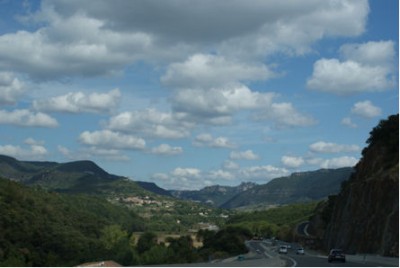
365 216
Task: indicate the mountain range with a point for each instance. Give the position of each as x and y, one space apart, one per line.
215 195
87 177
296 188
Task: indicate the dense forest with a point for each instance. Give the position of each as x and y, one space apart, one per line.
41 228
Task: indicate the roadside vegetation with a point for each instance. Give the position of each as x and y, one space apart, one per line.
276 222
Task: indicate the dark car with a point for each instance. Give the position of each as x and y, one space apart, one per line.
336 255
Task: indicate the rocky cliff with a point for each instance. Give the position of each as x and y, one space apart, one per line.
364 216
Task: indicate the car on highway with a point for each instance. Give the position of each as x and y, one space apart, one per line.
283 250
300 251
336 255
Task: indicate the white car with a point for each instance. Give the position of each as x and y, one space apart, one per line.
282 250
300 251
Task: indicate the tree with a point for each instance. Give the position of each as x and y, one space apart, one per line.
204 234
230 240
157 254
182 249
112 236
146 241
386 130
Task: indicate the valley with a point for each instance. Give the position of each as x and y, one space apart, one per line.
64 214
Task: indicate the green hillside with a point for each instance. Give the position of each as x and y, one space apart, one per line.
164 213
22 171
71 177
39 228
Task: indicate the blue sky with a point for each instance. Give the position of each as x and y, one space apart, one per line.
188 94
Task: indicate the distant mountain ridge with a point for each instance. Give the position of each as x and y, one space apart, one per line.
214 195
298 187
87 177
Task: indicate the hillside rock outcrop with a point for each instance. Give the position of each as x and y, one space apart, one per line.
365 214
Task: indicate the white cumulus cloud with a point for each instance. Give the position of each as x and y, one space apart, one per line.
206 71
111 140
229 165
11 88
208 140
166 149
217 106
263 173
186 172
151 123
76 102
338 162
247 155
284 114
73 38
348 122
366 109
365 67
220 175
330 147
380 53
26 118
35 150
214 103
292 161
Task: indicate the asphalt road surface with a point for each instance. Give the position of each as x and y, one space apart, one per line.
265 254
310 259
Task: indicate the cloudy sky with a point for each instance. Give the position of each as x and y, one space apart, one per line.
194 93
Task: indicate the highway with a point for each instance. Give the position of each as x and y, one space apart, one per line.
266 249
265 254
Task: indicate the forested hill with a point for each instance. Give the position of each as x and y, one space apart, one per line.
36 172
39 228
364 216
71 177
